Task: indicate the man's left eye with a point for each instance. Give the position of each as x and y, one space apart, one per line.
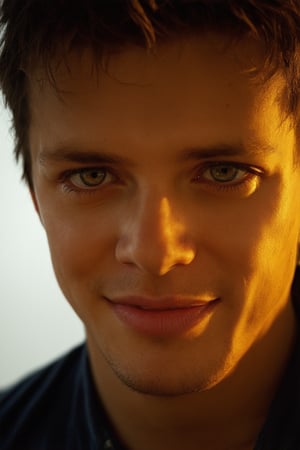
224 173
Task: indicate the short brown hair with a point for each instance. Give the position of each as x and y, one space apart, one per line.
32 31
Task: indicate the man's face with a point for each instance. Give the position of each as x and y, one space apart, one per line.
169 194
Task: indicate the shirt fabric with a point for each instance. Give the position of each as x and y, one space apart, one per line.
58 408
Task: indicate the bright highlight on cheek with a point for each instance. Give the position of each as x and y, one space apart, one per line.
252 186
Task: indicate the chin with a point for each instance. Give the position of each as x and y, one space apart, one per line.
169 384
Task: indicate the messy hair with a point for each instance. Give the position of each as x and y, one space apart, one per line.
33 31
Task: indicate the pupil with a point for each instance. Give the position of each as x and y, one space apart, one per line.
92 178
224 173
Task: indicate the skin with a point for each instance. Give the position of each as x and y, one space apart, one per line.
161 223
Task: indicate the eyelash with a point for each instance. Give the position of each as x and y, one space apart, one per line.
68 186
251 173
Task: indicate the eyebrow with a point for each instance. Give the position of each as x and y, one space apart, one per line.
71 154
78 155
252 148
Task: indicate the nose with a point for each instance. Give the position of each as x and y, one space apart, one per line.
153 240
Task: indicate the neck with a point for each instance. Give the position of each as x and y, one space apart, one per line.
229 415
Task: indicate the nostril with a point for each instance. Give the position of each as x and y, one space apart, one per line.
153 256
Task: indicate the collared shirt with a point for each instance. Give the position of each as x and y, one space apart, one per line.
58 408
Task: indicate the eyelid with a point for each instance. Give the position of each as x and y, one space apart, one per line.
69 172
236 164
246 185
65 178
251 169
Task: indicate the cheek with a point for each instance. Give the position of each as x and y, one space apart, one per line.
260 231
80 245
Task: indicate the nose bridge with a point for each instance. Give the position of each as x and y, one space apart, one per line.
155 240
167 223
155 221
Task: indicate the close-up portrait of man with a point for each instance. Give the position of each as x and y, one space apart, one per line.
159 141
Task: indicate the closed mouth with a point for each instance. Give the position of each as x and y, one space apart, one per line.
161 320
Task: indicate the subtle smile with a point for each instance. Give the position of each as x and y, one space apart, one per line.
161 319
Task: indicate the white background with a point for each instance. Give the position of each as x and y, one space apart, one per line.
36 322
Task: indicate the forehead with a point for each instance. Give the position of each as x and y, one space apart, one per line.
193 59
198 84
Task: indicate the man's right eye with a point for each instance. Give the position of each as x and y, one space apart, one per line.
89 178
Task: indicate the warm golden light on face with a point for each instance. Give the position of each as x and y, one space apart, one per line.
165 221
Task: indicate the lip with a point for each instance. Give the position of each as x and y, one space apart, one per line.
161 317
